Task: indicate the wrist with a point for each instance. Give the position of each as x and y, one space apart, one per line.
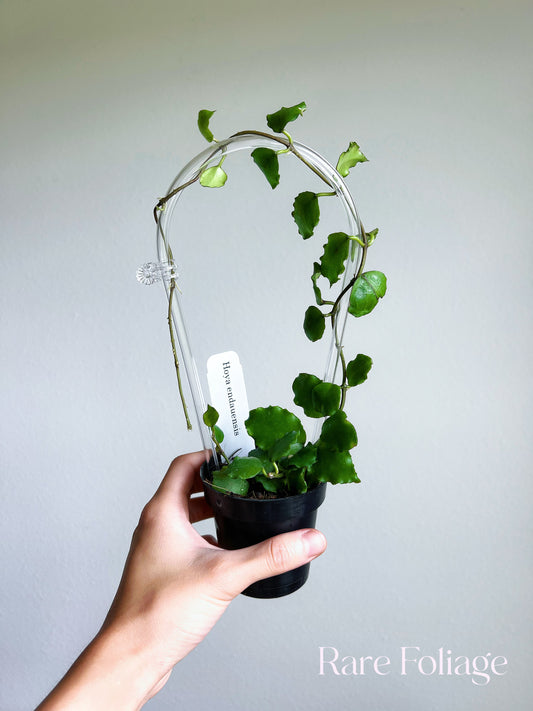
114 672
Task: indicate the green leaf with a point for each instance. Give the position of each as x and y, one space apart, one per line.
357 369
296 481
314 323
219 435
285 447
224 483
214 177
306 213
316 273
278 120
326 398
243 468
366 292
335 467
271 485
349 158
306 457
203 124
338 434
210 416
267 161
334 257
263 458
303 387
268 424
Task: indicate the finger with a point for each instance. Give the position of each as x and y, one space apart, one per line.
182 477
272 557
199 509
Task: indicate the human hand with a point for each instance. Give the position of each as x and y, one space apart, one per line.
175 586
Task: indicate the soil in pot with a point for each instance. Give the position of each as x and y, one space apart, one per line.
242 522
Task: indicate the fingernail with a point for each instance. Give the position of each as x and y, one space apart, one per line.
315 542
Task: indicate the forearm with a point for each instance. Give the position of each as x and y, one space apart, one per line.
114 672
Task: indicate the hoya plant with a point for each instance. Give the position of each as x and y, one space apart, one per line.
284 461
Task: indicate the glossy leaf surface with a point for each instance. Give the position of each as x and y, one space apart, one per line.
285 447
263 458
357 369
222 482
267 161
279 119
338 434
269 424
333 260
306 213
335 467
326 398
349 158
366 292
243 468
303 387
306 457
314 323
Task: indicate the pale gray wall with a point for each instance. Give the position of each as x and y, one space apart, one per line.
433 548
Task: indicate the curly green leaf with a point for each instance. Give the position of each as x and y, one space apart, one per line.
335 255
350 158
285 447
357 369
279 119
335 467
268 424
366 292
326 398
338 434
203 124
302 388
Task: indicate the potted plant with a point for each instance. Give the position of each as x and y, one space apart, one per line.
279 484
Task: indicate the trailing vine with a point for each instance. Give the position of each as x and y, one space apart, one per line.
283 462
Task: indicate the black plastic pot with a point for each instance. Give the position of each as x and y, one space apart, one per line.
241 522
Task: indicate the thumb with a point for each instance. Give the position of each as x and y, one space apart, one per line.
272 557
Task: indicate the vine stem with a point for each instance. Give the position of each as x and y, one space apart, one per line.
334 320
174 353
289 147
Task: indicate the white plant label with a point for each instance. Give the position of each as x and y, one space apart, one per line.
228 396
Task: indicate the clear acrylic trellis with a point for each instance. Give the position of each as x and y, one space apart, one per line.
165 269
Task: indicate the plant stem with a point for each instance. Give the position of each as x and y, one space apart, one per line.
335 311
288 145
174 352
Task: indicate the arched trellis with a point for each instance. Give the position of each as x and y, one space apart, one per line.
164 214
